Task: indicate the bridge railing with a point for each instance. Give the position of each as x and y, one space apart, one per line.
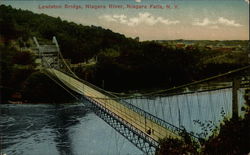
90 85
174 129
126 124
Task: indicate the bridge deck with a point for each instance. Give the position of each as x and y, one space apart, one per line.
137 120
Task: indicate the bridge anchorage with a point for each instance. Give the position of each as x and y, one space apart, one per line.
143 121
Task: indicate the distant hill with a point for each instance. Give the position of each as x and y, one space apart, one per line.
77 42
121 63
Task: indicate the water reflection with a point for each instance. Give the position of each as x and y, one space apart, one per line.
65 129
64 118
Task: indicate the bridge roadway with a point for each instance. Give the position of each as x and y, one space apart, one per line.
135 119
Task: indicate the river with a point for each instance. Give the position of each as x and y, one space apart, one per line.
58 129
73 129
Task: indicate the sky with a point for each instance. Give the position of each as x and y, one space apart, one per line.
154 19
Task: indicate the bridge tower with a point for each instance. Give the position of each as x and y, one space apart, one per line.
48 54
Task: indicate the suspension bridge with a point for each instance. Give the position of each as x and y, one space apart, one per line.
140 119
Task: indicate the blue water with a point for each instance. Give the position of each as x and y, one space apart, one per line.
73 129
64 129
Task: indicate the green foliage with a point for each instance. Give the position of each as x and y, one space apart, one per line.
77 42
185 146
38 88
24 58
16 66
6 63
233 137
109 53
17 75
6 68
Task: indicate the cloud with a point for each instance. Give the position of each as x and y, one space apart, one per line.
204 22
228 22
108 18
120 18
216 23
141 18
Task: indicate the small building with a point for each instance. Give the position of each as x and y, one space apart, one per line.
180 45
190 47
